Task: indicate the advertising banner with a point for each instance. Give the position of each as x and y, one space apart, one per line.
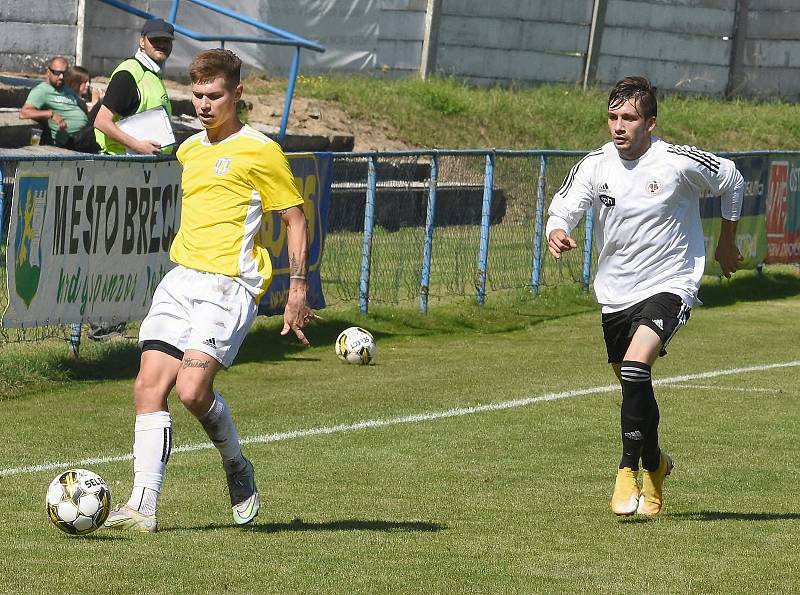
783 211
751 233
89 241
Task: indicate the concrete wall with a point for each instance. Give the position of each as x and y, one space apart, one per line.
506 40
688 46
772 49
401 27
113 35
31 32
680 47
348 29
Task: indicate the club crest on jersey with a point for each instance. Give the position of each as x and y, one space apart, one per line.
653 186
604 197
222 166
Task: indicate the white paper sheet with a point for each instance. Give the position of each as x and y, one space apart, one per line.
152 124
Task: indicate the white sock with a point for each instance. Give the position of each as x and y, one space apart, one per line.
218 424
152 444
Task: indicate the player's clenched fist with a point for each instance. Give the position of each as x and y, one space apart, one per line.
559 241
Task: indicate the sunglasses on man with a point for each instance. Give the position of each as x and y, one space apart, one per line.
57 72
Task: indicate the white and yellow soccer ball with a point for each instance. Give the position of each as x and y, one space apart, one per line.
78 501
355 345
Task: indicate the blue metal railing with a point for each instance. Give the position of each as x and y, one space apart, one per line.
536 262
427 250
486 208
280 37
481 269
366 245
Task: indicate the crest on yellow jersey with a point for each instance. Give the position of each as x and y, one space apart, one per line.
222 166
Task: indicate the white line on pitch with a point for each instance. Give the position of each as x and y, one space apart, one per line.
382 423
727 388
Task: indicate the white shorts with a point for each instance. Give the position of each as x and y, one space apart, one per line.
205 312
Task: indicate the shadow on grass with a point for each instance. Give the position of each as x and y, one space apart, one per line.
343 525
750 287
114 361
96 536
718 515
265 344
119 360
634 520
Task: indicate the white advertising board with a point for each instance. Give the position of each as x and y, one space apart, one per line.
89 240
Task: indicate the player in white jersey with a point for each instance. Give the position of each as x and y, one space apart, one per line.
644 194
203 308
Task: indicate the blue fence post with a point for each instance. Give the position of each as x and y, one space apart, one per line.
173 11
536 262
366 247
483 254
427 249
2 203
287 103
75 339
587 249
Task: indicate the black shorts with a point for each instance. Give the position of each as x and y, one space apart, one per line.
665 313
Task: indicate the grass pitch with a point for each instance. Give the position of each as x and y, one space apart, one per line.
511 500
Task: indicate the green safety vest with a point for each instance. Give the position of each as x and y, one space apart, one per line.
152 93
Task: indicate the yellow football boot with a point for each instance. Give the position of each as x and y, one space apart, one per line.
626 493
651 497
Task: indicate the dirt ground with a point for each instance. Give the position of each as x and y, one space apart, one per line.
308 116
317 117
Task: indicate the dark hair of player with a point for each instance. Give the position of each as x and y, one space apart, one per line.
211 64
639 92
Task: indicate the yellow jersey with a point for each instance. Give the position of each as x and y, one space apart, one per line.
227 186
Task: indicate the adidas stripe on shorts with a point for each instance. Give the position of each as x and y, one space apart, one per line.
665 313
205 312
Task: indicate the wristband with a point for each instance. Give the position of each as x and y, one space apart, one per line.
303 277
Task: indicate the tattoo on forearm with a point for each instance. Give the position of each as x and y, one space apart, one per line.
295 268
189 362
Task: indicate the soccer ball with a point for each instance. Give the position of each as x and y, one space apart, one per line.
78 501
355 345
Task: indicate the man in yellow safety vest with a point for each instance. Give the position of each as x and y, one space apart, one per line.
136 86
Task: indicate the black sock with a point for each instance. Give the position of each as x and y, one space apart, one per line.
637 408
651 453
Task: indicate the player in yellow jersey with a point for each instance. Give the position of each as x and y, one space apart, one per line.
203 308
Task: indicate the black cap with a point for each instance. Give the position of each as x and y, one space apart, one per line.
158 28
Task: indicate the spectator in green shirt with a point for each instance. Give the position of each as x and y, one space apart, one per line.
54 104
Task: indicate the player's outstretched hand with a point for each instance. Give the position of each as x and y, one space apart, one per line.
559 241
728 257
296 316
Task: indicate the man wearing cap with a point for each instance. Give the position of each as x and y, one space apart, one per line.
136 86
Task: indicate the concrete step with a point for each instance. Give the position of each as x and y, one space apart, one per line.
408 170
16 133
406 205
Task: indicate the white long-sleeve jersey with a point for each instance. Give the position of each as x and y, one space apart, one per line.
647 227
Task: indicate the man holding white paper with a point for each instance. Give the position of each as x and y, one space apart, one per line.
135 87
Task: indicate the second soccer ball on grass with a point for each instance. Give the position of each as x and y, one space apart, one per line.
355 345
